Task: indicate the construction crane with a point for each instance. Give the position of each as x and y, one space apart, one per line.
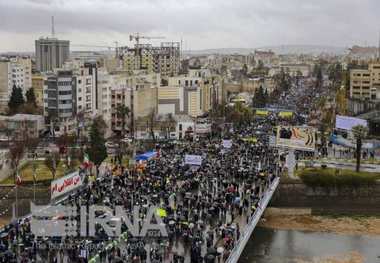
137 38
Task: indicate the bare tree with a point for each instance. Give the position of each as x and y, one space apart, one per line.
52 161
16 152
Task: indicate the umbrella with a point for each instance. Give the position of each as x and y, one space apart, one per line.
210 258
211 251
161 212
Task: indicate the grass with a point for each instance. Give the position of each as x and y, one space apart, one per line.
336 178
42 172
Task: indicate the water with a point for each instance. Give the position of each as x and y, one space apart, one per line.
289 246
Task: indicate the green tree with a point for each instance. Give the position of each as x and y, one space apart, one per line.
97 150
31 97
260 99
244 70
16 100
360 132
122 112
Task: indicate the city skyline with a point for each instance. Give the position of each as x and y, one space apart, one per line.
201 25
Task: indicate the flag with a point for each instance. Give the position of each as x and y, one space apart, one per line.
86 158
34 177
18 179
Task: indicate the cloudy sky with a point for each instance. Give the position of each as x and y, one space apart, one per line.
201 23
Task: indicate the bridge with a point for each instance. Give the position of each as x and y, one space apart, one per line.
252 223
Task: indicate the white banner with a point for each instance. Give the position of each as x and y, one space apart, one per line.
227 144
193 159
65 184
202 128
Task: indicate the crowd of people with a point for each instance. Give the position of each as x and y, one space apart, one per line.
206 207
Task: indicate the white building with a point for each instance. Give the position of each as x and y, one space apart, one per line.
14 71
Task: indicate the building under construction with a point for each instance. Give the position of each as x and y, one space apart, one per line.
164 59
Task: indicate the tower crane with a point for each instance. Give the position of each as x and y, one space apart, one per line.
137 38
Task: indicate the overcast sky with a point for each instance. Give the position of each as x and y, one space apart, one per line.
201 23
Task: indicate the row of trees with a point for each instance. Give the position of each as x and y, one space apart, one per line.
17 103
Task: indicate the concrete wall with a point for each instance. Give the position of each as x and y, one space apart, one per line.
361 200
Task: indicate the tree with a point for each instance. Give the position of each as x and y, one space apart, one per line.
244 70
16 100
16 152
122 112
97 150
31 97
151 123
52 161
360 132
260 99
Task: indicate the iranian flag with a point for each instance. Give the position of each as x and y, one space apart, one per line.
18 179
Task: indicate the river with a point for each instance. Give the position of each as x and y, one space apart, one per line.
293 246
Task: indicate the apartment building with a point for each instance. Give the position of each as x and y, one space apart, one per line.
22 125
14 71
38 82
59 101
51 53
365 83
164 59
180 100
138 92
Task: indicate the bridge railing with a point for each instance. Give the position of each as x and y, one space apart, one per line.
247 232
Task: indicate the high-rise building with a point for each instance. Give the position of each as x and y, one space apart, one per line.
51 53
59 100
16 71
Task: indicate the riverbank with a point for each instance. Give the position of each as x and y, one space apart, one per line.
351 225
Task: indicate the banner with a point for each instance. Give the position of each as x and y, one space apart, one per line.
346 122
250 139
302 138
193 159
202 128
285 114
65 184
262 112
227 144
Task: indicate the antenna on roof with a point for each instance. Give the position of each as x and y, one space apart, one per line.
378 49
52 27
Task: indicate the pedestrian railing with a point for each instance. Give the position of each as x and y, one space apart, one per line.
240 244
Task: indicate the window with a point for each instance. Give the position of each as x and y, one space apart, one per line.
79 81
80 99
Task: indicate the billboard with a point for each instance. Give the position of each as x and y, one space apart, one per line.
193 159
296 137
65 184
346 122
